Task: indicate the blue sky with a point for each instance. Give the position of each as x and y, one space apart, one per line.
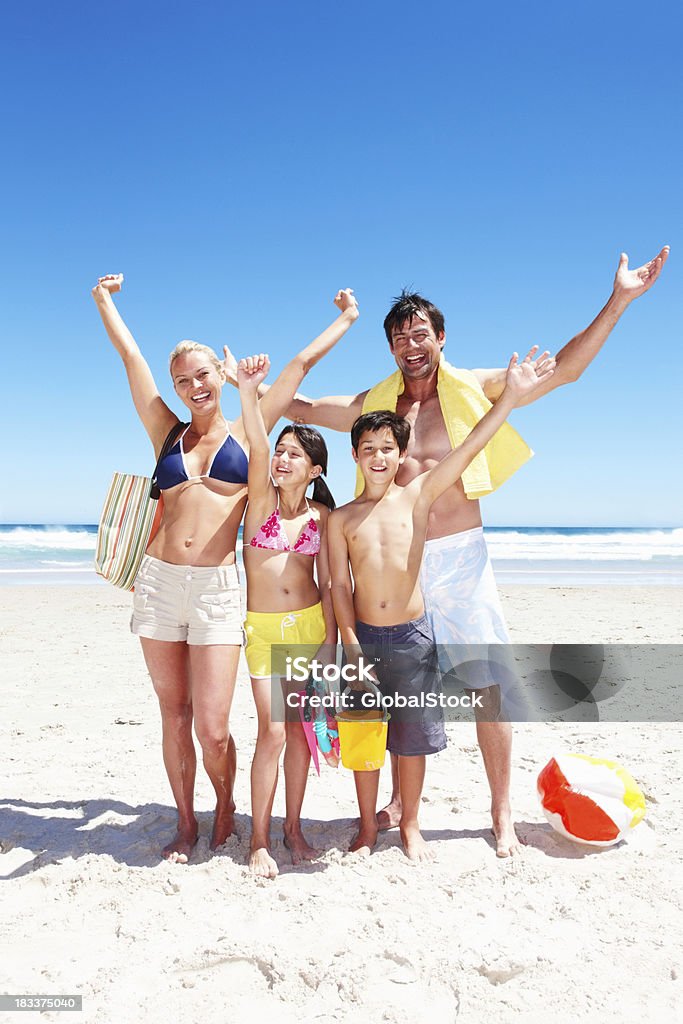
240 165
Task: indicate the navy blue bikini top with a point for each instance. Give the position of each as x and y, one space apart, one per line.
229 464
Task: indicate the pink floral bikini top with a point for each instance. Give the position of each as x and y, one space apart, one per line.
273 537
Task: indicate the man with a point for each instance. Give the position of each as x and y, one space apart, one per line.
378 539
416 336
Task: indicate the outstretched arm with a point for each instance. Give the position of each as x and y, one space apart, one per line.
336 412
156 416
278 398
521 380
250 373
578 353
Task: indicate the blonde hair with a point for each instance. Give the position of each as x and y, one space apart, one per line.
194 346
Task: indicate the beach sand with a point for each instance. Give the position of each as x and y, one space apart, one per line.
561 933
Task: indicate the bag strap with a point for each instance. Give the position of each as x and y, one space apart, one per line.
173 434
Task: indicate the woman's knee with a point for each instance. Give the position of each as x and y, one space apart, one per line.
176 717
213 734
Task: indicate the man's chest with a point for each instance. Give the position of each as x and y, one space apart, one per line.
428 435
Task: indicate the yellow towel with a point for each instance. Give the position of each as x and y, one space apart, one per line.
463 403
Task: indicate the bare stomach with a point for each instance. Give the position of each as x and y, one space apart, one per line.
279 581
384 610
452 513
199 526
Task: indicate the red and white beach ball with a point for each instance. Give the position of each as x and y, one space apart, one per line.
589 799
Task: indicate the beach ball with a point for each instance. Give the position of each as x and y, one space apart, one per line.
589 799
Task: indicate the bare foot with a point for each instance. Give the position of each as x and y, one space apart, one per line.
262 864
507 843
365 840
223 825
296 844
414 845
181 846
389 816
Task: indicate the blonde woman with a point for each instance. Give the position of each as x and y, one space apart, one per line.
186 607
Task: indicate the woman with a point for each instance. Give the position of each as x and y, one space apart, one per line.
284 540
186 605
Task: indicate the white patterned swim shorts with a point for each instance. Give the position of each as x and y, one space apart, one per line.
463 606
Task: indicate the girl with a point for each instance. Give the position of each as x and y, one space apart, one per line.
284 538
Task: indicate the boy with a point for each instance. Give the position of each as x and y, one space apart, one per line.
379 537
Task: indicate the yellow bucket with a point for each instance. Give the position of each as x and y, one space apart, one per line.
362 739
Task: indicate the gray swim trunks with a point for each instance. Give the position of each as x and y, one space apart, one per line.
406 666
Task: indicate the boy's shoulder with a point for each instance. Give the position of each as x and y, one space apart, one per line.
342 512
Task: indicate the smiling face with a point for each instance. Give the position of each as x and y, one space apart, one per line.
378 456
197 382
416 347
290 465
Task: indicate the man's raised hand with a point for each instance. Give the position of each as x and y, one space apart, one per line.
523 378
630 284
229 365
252 371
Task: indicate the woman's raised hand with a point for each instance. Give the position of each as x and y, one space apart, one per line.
252 371
109 283
346 301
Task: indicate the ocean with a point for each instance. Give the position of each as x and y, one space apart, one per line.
557 555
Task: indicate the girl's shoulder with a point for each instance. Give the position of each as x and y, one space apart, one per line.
320 512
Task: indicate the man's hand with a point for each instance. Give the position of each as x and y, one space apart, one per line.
252 371
229 366
630 284
109 283
345 300
523 378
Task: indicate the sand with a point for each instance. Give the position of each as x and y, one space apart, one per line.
560 933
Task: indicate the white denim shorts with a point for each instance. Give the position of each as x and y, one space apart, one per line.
198 604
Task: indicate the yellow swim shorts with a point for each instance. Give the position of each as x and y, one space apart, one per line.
306 626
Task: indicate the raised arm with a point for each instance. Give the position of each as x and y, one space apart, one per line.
156 416
250 373
279 397
282 399
521 380
336 412
578 353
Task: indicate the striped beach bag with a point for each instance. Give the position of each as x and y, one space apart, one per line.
130 517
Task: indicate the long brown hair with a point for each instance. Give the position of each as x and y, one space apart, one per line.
314 445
